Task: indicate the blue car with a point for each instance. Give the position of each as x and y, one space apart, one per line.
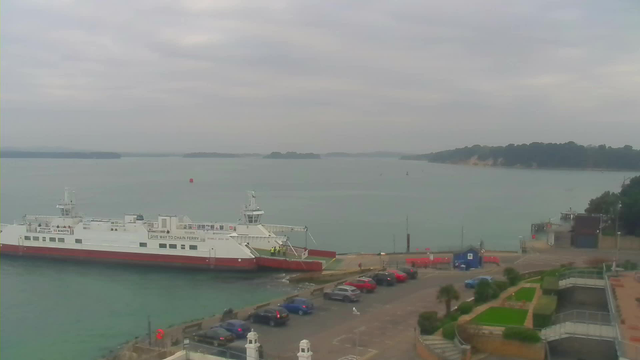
471 284
238 328
299 306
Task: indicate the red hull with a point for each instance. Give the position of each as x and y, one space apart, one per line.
161 260
131 258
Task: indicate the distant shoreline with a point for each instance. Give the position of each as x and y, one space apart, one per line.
11 154
466 164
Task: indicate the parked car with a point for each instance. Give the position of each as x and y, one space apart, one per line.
411 272
384 278
400 276
215 336
238 328
344 293
363 284
272 316
472 283
300 306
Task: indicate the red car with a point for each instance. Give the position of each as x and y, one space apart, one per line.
400 276
363 284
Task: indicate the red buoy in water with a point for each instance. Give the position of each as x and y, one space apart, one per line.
191 180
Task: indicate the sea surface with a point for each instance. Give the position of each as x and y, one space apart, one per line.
54 310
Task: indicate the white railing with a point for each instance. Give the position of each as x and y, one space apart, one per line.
579 329
583 316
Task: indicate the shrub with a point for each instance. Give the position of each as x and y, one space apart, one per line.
512 275
501 285
544 310
449 331
465 307
452 317
428 322
485 291
550 285
520 334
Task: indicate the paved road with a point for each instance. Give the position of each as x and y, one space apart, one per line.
384 328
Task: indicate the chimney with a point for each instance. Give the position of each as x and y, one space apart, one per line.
305 350
253 346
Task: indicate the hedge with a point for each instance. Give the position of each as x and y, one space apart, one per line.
428 322
485 291
465 307
521 334
550 285
544 310
501 285
449 331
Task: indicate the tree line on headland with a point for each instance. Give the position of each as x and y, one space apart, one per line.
624 205
539 155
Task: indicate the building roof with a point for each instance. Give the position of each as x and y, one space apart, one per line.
464 250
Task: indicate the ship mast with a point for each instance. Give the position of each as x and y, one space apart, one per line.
68 205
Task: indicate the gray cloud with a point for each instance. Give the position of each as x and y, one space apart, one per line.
199 75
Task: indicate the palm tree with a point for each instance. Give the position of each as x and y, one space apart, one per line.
447 294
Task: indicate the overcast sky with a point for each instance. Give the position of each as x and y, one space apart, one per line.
271 75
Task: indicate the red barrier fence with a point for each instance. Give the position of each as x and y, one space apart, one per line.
491 259
426 262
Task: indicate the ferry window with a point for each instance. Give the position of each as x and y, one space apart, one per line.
193 247
164 223
221 227
78 241
163 246
36 238
60 239
173 246
52 239
143 244
27 237
182 247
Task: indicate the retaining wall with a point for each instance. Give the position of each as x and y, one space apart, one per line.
626 243
509 348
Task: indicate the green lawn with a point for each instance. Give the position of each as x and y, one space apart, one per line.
537 280
499 316
523 294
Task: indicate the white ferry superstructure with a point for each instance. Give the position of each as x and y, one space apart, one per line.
170 241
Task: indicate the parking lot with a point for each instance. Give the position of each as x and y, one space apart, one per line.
385 325
385 322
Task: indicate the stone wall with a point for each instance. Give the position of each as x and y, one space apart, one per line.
496 345
626 243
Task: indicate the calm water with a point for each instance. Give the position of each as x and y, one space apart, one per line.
56 310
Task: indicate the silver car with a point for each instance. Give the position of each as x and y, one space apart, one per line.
343 292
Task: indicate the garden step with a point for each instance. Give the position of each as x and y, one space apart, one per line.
445 348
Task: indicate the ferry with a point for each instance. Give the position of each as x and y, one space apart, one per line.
168 241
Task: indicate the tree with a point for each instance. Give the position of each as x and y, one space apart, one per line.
605 204
485 291
446 294
512 275
630 206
